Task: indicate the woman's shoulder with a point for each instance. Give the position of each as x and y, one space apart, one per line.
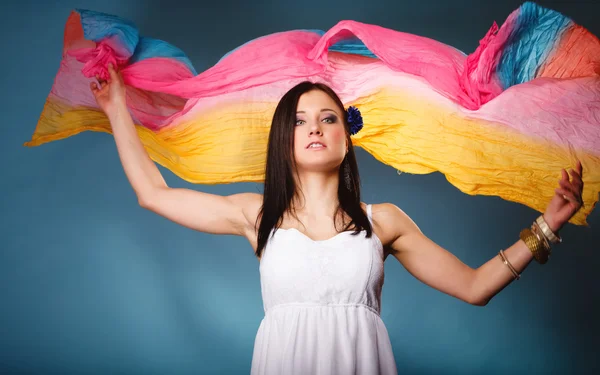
384 209
389 221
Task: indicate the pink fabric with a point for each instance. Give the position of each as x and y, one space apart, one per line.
97 59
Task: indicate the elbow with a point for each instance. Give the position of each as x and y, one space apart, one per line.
144 201
476 295
478 301
150 199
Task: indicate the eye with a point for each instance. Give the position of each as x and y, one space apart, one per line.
299 122
330 119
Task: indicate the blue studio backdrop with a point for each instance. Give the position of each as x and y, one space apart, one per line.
91 283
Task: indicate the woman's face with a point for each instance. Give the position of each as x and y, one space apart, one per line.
319 121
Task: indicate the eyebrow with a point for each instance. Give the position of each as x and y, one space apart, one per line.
323 110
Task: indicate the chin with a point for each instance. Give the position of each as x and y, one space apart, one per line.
318 166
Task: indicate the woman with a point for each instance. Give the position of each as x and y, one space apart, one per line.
321 250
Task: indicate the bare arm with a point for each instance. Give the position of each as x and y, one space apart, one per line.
234 214
442 270
142 173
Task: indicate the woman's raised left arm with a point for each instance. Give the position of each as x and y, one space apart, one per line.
440 269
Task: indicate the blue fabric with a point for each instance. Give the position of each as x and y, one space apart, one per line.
537 31
149 47
353 45
97 26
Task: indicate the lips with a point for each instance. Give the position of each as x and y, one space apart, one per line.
320 145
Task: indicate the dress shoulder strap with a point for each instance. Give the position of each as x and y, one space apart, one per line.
370 213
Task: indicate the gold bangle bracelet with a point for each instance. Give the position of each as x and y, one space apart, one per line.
512 269
550 235
535 228
535 246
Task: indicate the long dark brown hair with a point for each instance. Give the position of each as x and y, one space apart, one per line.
280 187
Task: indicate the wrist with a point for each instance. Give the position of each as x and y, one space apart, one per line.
116 111
554 226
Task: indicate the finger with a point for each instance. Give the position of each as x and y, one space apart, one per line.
565 175
579 169
112 72
574 173
565 186
572 200
568 187
569 196
94 87
566 194
576 179
578 176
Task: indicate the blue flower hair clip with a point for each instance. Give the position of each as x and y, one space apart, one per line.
354 119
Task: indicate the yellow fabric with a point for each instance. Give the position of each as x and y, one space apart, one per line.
478 157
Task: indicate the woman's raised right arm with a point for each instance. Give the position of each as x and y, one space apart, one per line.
234 214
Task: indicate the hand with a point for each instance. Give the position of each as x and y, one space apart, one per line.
566 200
109 94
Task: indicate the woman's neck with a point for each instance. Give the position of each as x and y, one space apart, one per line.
316 196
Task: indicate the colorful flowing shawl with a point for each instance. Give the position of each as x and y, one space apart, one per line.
501 121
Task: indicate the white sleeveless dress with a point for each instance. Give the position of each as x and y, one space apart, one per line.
322 301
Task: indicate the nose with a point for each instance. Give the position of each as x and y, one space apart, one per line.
315 129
